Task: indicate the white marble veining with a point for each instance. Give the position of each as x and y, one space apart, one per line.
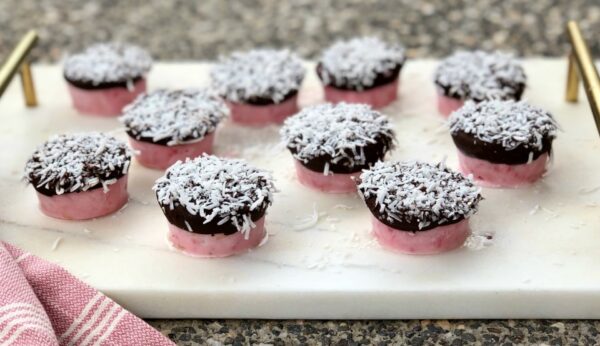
320 261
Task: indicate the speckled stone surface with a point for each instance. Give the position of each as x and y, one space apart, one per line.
415 332
186 30
205 29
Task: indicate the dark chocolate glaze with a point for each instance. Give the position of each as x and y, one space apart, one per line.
92 172
267 100
495 152
373 153
179 215
516 94
163 142
88 85
381 79
409 225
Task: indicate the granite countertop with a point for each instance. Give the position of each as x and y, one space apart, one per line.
186 30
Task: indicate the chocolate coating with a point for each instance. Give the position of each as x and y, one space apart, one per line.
266 101
410 225
163 141
179 215
495 152
381 78
89 85
516 93
373 152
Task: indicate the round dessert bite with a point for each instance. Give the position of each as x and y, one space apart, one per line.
167 126
361 70
503 143
215 207
105 77
418 208
80 176
331 144
260 86
477 76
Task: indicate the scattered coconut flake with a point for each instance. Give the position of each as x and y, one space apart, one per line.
588 190
56 243
479 241
343 206
534 210
309 221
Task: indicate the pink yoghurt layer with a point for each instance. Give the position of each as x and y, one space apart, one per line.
161 156
218 245
447 105
86 205
436 240
105 102
377 97
332 183
262 115
490 174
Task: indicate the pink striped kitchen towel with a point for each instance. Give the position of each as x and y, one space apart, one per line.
42 304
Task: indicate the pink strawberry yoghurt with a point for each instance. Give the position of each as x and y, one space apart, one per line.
87 204
157 156
330 183
418 208
215 207
433 241
262 115
105 101
332 143
80 176
447 105
377 97
260 86
105 77
500 175
167 126
216 245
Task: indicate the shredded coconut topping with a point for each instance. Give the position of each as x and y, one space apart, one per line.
108 62
181 116
508 123
341 131
212 187
78 162
419 192
481 75
263 74
357 62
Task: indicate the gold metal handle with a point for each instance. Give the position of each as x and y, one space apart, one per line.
16 62
581 65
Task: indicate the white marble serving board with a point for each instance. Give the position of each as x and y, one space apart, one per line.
543 260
